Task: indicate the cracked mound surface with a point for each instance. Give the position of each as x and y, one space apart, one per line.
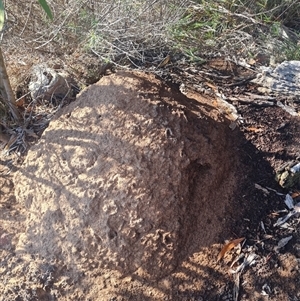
131 176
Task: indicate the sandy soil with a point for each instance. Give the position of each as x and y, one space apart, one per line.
233 208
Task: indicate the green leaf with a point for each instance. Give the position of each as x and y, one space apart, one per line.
2 15
46 8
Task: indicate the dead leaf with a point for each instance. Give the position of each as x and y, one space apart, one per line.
295 194
164 62
254 129
282 220
283 242
229 246
249 260
289 201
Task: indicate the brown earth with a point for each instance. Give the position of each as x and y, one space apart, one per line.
131 192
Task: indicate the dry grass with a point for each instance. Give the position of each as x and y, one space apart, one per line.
107 28
141 33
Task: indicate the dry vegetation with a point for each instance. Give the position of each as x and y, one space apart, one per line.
143 31
140 34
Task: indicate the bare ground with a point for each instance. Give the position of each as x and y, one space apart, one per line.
267 138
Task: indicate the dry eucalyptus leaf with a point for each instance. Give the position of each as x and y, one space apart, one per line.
283 219
284 241
229 246
249 260
289 201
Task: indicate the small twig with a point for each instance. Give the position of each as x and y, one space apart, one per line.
27 19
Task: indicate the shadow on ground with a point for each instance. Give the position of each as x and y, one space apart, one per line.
133 189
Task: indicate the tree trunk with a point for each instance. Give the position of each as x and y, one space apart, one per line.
7 94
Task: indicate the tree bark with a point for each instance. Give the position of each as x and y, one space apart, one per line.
7 94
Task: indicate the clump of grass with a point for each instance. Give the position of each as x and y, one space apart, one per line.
240 28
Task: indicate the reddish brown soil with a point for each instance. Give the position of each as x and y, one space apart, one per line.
267 138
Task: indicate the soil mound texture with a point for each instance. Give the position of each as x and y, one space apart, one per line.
132 176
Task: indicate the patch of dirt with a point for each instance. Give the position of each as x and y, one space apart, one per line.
130 195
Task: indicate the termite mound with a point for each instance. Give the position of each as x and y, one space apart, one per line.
131 176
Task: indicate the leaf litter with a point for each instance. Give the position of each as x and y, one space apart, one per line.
294 210
229 246
246 255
